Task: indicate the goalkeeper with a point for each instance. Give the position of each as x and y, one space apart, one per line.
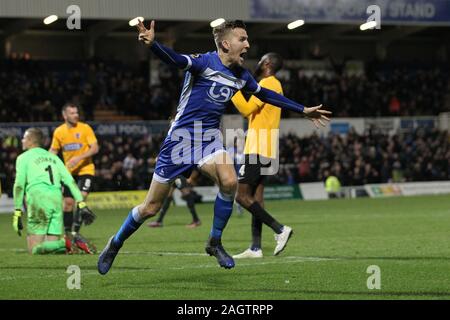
39 174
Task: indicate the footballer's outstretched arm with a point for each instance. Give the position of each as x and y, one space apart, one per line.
315 114
167 55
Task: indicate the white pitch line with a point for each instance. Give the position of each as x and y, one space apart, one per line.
197 254
159 253
281 260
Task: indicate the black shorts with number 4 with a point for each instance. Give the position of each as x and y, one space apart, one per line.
84 182
250 171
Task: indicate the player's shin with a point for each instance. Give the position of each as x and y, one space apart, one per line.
164 209
129 226
191 205
223 207
257 211
68 221
256 233
77 221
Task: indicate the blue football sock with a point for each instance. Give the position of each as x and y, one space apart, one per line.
129 226
223 207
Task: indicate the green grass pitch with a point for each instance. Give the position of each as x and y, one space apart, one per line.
334 243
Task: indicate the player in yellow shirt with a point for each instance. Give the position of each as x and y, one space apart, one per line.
78 144
260 151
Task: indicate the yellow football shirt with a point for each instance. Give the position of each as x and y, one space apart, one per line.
264 120
73 142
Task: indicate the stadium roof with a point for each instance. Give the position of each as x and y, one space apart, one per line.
200 29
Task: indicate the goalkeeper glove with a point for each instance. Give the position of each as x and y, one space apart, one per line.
87 216
17 221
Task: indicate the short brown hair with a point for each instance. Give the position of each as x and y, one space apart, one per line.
36 135
221 30
69 105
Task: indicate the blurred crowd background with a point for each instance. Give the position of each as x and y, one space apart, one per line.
35 90
127 163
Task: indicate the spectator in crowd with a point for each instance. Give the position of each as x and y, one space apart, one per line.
355 159
332 185
34 90
129 162
417 155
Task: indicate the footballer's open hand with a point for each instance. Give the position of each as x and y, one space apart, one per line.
317 115
146 35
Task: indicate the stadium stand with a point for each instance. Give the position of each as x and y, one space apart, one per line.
107 91
401 70
126 163
114 91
